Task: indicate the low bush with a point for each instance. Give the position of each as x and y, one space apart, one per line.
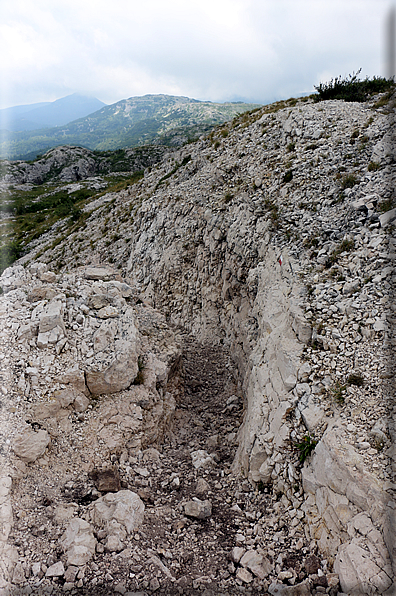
9 253
351 88
338 392
355 379
306 447
349 181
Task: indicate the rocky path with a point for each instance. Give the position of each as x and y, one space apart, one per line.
204 531
182 550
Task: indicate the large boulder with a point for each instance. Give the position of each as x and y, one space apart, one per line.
116 344
124 507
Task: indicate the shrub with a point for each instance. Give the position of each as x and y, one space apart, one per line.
9 253
386 205
373 166
291 147
288 176
228 197
351 88
338 392
348 181
306 447
355 379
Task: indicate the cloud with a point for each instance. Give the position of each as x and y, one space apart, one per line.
208 49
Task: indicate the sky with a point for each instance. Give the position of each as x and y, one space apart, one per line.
217 50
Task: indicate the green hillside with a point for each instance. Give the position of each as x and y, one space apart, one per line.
158 119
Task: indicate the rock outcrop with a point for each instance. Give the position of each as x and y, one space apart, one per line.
274 241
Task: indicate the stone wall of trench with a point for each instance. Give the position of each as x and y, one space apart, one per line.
217 273
220 294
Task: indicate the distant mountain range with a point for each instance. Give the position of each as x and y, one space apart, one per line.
48 114
150 119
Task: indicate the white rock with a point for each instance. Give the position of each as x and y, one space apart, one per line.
125 507
55 570
30 445
357 571
201 459
258 565
78 542
198 509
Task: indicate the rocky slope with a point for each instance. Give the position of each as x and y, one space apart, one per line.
268 250
70 164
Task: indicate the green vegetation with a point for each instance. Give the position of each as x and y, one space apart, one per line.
159 119
35 211
338 392
306 447
351 88
288 176
349 181
228 197
373 166
386 205
273 211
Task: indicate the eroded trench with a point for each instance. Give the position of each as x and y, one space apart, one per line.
173 552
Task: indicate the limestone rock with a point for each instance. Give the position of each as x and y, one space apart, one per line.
124 507
55 570
81 402
48 276
30 445
202 486
256 563
244 575
237 553
122 345
198 509
312 415
78 542
358 573
18 576
76 378
201 459
51 317
102 273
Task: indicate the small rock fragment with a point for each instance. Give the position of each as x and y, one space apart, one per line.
198 509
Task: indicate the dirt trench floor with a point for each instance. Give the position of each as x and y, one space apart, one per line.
172 553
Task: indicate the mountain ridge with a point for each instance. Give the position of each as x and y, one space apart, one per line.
149 119
49 114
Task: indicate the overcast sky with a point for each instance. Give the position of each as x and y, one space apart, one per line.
218 50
